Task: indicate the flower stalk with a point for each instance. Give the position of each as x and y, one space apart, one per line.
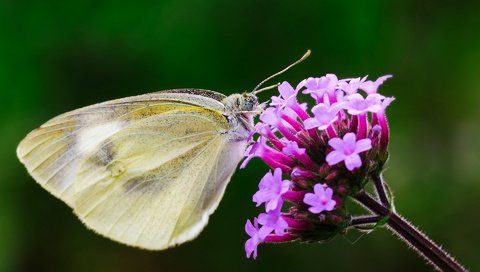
432 253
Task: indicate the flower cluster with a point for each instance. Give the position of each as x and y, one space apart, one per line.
319 156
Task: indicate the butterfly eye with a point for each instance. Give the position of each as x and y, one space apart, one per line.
249 103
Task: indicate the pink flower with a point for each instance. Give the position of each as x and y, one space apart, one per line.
301 144
291 148
288 95
271 188
260 149
254 150
273 219
321 200
275 117
257 236
371 87
324 116
318 86
352 85
271 116
347 150
356 104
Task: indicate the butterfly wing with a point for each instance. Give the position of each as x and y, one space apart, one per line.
146 171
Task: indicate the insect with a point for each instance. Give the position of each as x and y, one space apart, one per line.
148 170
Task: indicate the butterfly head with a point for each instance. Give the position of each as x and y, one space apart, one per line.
248 102
245 104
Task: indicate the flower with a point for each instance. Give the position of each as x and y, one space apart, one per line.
321 200
273 219
318 86
271 188
351 86
324 116
309 203
288 95
371 87
356 104
291 148
257 236
347 150
266 153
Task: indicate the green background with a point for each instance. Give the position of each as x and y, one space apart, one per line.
56 56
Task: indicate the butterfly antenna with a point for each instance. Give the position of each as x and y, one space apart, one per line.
256 90
267 88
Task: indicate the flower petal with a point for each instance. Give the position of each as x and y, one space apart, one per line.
310 199
311 123
363 145
349 141
286 90
319 189
334 157
336 143
328 193
249 228
353 161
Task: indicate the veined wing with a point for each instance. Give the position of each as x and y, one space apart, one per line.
52 153
146 173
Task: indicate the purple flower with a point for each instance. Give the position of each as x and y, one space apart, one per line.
347 150
254 150
324 116
273 157
291 148
271 188
273 219
288 95
273 116
321 200
352 85
356 104
318 86
257 236
296 140
270 116
371 87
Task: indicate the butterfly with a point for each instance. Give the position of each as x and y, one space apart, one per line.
147 170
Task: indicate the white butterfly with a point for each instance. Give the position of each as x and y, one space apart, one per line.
148 170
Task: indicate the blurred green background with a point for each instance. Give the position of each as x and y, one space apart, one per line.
56 56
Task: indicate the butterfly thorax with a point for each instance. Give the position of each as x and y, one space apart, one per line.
240 109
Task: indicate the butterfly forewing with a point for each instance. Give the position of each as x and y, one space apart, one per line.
146 171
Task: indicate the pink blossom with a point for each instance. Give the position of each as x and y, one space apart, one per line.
351 86
347 150
371 87
270 116
356 104
257 236
291 148
288 95
324 116
271 188
321 200
273 219
276 118
254 150
273 157
290 143
318 86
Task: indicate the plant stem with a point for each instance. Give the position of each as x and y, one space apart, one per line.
378 181
411 235
364 220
